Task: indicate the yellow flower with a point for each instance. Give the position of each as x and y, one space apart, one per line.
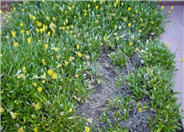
130 43
22 31
27 32
78 46
15 44
53 18
54 75
89 5
168 45
1 109
96 7
129 8
71 58
79 54
59 65
94 1
115 27
1 12
104 38
37 30
172 7
39 89
46 46
129 24
35 129
182 60
37 106
43 62
162 7
58 57
117 38
101 1
87 129
69 8
21 24
39 24
24 69
66 62
13 34
29 40
35 84
56 49
48 33
140 109
21 130
70 110
13 115
50 72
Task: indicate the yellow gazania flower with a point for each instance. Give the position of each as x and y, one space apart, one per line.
56 49
29 40
89 5
182 60
79 54
53 18
69 8
96 7
14 8
37 106
15 44
162 7
71 58
140 109
58 57
115 4
50 72
129 24
129 8
24 69
78 46
35 129
130 43
48 33
21 24
87 129
172 7
1 109
21 130
13 34
27 32
54 75
37 30
101 1
13 115
66 63
22 31
94 1
1 12
46 46
117 38
39 89
43 62
39 24
104 38
168 45
59 65
70 110
35 84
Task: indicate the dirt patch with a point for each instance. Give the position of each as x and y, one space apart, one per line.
106 90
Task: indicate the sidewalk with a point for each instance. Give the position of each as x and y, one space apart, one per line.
174 36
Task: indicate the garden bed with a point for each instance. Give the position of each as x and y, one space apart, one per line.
87 66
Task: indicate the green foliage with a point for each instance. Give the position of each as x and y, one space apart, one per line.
44 48
155 82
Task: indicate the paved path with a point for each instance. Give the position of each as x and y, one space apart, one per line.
174 35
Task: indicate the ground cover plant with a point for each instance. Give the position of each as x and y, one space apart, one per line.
86 66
